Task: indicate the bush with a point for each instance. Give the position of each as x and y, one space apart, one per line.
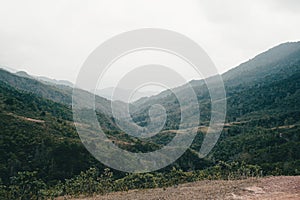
25 185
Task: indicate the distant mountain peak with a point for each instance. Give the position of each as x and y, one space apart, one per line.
120 94
23 74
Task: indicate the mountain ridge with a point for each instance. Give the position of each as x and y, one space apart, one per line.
261 130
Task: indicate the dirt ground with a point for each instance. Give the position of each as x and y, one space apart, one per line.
280 187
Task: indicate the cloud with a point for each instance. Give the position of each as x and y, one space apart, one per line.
286 6
53 38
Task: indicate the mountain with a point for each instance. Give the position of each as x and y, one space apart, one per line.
26 83
44 79
57 93
263 110
23 74
278 63
37 134
9 69
120 94
260 136
54 81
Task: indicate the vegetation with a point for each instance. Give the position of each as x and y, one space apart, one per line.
26 185
41 155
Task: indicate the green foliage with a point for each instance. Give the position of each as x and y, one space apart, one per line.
85 183
25 185
41 155
234 170
90 182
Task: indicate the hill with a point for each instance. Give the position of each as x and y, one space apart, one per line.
261 135
263 112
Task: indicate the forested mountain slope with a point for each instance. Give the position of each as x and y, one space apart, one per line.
281 63
262 126
263 110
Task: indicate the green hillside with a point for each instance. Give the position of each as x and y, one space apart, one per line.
38 134
261 136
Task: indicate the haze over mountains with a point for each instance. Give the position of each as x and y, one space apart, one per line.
120 94
43 78
110 93
262 123
248 72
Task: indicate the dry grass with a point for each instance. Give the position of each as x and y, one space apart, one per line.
283 187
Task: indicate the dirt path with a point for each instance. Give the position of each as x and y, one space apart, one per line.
284 187
27 118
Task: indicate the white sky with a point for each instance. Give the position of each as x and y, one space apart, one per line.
53 38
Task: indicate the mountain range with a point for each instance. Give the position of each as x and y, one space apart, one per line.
120 94
262 123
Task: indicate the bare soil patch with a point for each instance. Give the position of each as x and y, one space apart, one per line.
280 187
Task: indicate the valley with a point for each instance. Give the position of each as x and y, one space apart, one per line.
260 138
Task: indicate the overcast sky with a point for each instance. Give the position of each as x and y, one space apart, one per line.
53 38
